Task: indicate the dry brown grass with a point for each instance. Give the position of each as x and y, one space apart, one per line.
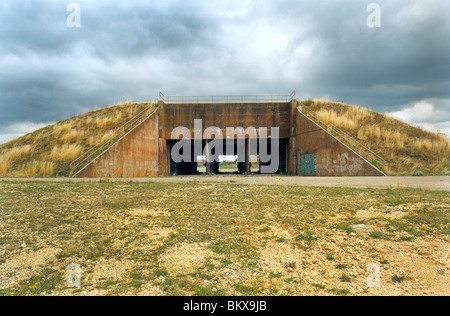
49 151
341 121
13 154
407 149
434 146
18 152
66 152
62 128
91 142
72 136
36 168
104 122
5 166
107 136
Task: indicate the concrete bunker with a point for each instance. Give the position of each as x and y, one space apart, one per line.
197 125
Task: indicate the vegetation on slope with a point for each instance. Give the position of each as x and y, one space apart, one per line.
408 150
50 150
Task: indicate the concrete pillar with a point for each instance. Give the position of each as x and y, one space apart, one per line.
247 156
208 158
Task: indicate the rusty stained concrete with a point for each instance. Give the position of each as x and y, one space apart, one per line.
333 158
144 152
134 156
223 115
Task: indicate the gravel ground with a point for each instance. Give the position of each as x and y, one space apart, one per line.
188 236
437 183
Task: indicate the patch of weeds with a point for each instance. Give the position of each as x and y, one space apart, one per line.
249 256
305 264
347 224
161 272
341 266
137 278
341 292
394 197
308 237
290 265
345 278
220 248
264 229
203 237
436 218
246 289
397 279
207 291
330 257
225 262
209 265
107 284
318 286
378 235
120 205
291 280
405 226
274 275
200 274
44 282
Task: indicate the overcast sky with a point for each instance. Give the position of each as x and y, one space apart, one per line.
131 50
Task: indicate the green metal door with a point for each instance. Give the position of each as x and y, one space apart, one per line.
308 164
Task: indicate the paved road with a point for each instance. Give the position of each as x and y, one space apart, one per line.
428 183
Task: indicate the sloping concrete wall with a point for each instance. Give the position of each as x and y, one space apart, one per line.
134 156
333 158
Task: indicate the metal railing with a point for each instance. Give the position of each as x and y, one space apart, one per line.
227 99
352 143
77 165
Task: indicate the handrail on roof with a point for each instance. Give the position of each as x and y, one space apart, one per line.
228 99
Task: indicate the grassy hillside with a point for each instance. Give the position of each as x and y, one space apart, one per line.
408 150
50 150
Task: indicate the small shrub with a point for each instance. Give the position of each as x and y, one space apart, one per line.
345 278
341 267
397 279
342 292
290 265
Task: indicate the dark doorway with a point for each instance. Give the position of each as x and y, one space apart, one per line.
246 152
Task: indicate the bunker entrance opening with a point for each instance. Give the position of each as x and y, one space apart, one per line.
239 156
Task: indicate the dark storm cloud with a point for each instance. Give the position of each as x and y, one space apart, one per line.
408 58
134 49
49 71
110 29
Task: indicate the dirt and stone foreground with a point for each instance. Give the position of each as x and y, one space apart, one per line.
221 239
